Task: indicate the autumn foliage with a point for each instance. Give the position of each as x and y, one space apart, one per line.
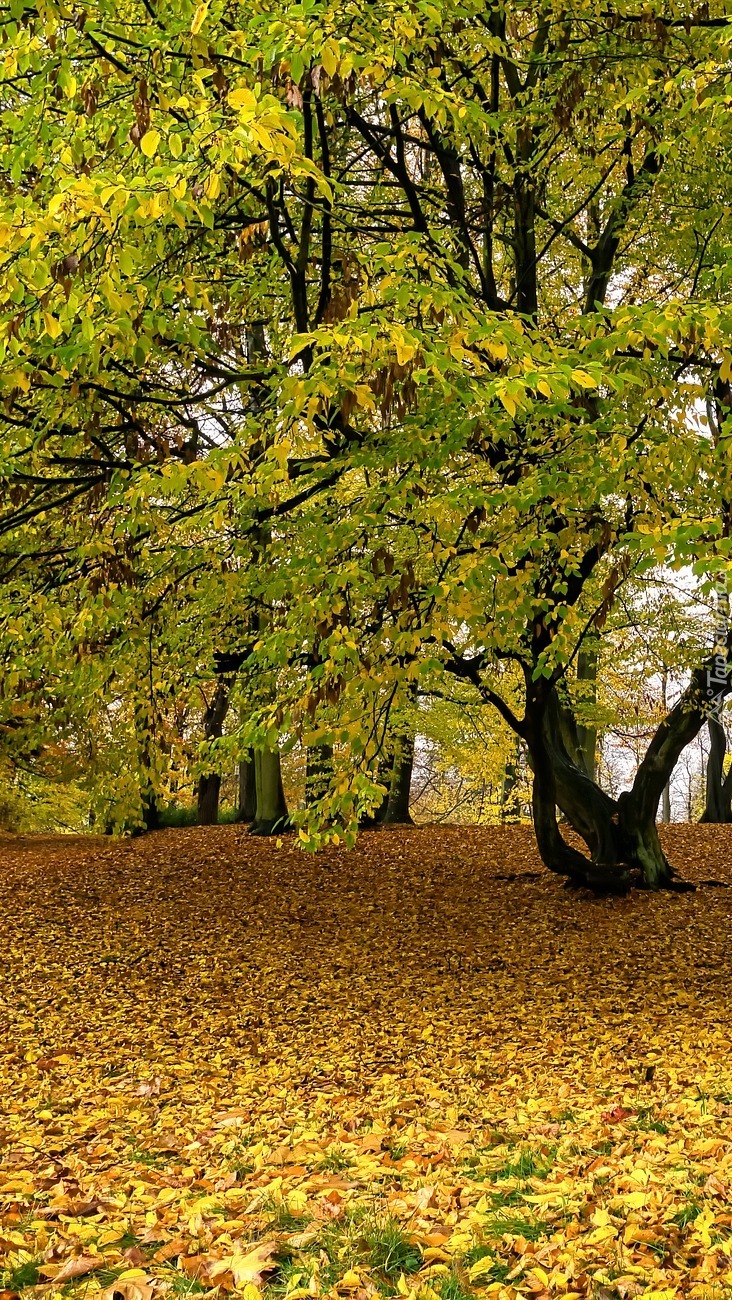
421 1068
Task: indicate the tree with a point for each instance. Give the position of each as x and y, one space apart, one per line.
486 249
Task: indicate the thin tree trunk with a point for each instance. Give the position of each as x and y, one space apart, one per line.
209 788
150 811
209 783
145 736
510 810
587 660
247 804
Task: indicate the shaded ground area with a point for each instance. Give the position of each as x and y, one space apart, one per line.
387 1071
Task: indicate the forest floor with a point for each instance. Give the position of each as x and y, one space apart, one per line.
228 1067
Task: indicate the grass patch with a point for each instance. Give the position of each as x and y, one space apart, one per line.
108 1276
498 1271
645 1123
397 1150
179 1284
21 1275
687 1214
335 1161
180 815
528 1164
451 1288
515 1224
280 1216
390 1250
505 1200
289 1273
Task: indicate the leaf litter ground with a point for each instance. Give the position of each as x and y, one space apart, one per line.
419 1069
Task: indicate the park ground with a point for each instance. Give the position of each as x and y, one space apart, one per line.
421 1069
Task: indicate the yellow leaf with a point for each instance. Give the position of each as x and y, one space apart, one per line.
329 57
509 403
199 18
634 1199
252 1266
242 98
350 1280
213 186
480 1267
52 326
150 142
404 351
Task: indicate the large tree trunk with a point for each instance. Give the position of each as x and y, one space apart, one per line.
397 808
246 809
718 807
209 788
272 815
209 783
560 780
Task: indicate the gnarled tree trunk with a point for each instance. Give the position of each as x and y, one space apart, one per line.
621 835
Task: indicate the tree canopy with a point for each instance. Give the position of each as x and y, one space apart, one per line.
355 354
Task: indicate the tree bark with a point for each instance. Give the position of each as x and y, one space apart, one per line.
397 808
247 804
209 788
383 775
209 783
271 815
718 807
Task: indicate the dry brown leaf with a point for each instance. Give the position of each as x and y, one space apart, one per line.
78 1267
